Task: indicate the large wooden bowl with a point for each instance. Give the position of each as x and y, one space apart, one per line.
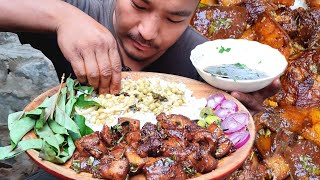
226 165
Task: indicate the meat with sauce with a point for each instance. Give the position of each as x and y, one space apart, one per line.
220 22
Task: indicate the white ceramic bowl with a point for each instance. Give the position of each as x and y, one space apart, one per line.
253 54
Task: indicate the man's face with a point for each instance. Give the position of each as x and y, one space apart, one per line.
147 28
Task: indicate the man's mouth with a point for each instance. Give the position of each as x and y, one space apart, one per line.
141 46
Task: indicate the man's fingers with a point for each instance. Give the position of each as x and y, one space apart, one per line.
78 66
272 89
248 100
116 69
91 68
105 70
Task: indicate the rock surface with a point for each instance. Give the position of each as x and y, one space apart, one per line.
24 74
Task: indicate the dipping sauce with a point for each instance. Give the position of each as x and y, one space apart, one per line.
235 71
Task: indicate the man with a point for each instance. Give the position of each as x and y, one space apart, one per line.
141 35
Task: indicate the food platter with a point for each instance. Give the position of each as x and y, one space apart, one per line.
200 90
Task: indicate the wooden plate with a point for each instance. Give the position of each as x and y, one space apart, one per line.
226 165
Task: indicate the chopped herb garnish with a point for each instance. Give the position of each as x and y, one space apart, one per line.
308 165
223 49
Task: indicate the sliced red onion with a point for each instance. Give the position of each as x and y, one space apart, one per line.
222 112
214 101
235 122
229 104
240 117
239 138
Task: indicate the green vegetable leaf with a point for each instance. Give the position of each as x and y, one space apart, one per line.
20 128
70 85
62 99
49 104
84 129
64 120
40 121
56 128
13 117
49 137
7 153
49 154
84 89
70 105
81 102
60 139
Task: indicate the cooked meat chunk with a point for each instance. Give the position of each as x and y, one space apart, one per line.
202 161
164 168
134 125
303 158
230 2
105 135
283 2
314 4
255 8
135 161
224 148
218 22
278 166
92 144
151 141
114 169
301 81
267 31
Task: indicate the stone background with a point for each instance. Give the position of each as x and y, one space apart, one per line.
24 73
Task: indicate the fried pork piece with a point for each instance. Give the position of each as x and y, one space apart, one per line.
267 31
164 168
114 169
251 169
308 22
151 141
220 22
301 81
91 145
230 2
283 2
313 4
256 7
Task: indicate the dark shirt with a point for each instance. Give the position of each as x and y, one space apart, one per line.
176 60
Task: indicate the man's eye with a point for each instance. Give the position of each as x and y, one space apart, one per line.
174 21
138 6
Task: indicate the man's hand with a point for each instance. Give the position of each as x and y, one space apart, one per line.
92 51
254 101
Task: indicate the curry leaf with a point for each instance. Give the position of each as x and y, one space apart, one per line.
6 152
47 134
70 105
84 129
84 89
40 121
20 128
56 128
64 120
81 102
13 117
70 86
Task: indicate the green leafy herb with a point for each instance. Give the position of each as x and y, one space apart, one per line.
223 49
7 152
308 165
84 129
84 89
76 166
81 102
190 171
241 66
19 129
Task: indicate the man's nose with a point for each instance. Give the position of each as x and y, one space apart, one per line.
149 27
